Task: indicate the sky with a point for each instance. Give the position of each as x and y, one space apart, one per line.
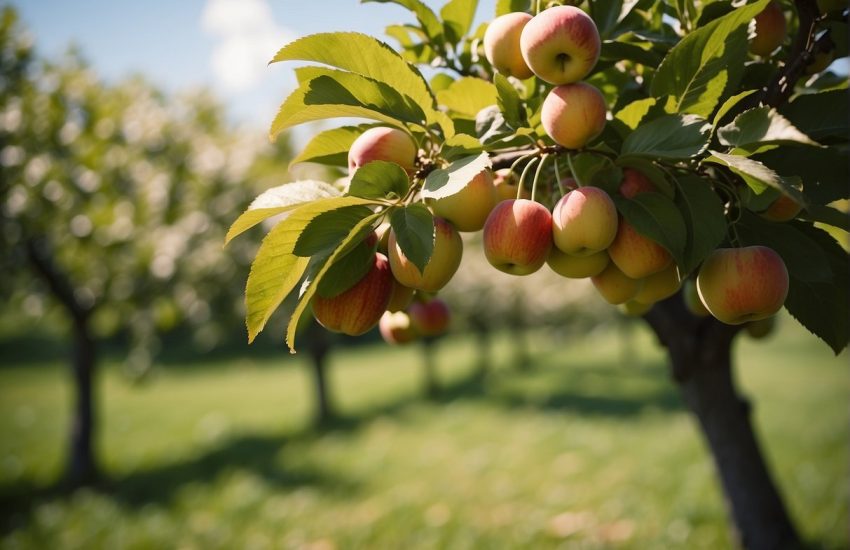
221 44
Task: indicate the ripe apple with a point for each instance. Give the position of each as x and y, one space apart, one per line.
577 267
659 285
743 284
400 298
396 328
445 259
359 308
783 209
388 144
584 221
637 256
429 318
561 45
518 236
692 300
761 328
506 183
468 208
634 183
633 308
614 286
573 114
501 45
769 30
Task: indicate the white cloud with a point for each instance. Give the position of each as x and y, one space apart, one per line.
248 37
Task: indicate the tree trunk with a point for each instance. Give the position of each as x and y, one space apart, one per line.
429 363
81 468
319 347
701 361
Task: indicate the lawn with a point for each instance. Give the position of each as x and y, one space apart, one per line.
583 450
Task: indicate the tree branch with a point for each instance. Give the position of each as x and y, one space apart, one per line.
58 282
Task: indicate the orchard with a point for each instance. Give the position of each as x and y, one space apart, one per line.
686 157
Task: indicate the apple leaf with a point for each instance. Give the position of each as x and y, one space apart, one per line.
827 215
824 171
457 17
704 218
707 63
655 216
668 137
633 113
345 272
413 227
758 176
331 146
325 231
596 170
729 105
426 17
468 95
344 247
278 200
460 145
821 115
444 182
761 125
379 179
508 6
509 102
651 171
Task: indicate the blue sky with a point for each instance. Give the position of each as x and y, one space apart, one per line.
222 44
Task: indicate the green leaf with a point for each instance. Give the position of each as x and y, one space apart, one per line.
757 176
651 171
618 50
444 182
468 95
507 6
704 218
633 113
730 104
509 102
824 171
277 200
827 215
458 16
327 229
707 63
430 24
596 170
377 179
413 227
346 271
669 137
460 145
305 298
821 115
761 125
331 146
655 216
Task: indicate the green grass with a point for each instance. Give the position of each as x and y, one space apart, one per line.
582 451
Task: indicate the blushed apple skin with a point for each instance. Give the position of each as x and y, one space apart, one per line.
507 186
635 255
770 30
577 267
518 236
783 209
614 286
561 45
445 259
659 285
501 45
359 308
396 328
431 318
738 285
468 209
634 183
573 114
388 144
584 222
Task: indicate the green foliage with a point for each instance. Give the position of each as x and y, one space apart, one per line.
413 226
657 217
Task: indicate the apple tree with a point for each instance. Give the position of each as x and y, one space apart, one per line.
670 149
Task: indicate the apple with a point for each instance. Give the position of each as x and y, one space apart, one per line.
429 318
445 259
400 298
577 267
359 308
738 285
761 328
614 286
468 208
633 308
388 144
561 45
634 183
506 183
820 61
382 232
692 300
637 256
783 209
659 285
518 236
584 221
769 30
501 45
396 328
573 114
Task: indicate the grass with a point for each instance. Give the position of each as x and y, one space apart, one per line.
581 451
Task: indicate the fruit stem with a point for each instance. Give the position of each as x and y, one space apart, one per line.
522 177
537 176
573 170
558 178
537 8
